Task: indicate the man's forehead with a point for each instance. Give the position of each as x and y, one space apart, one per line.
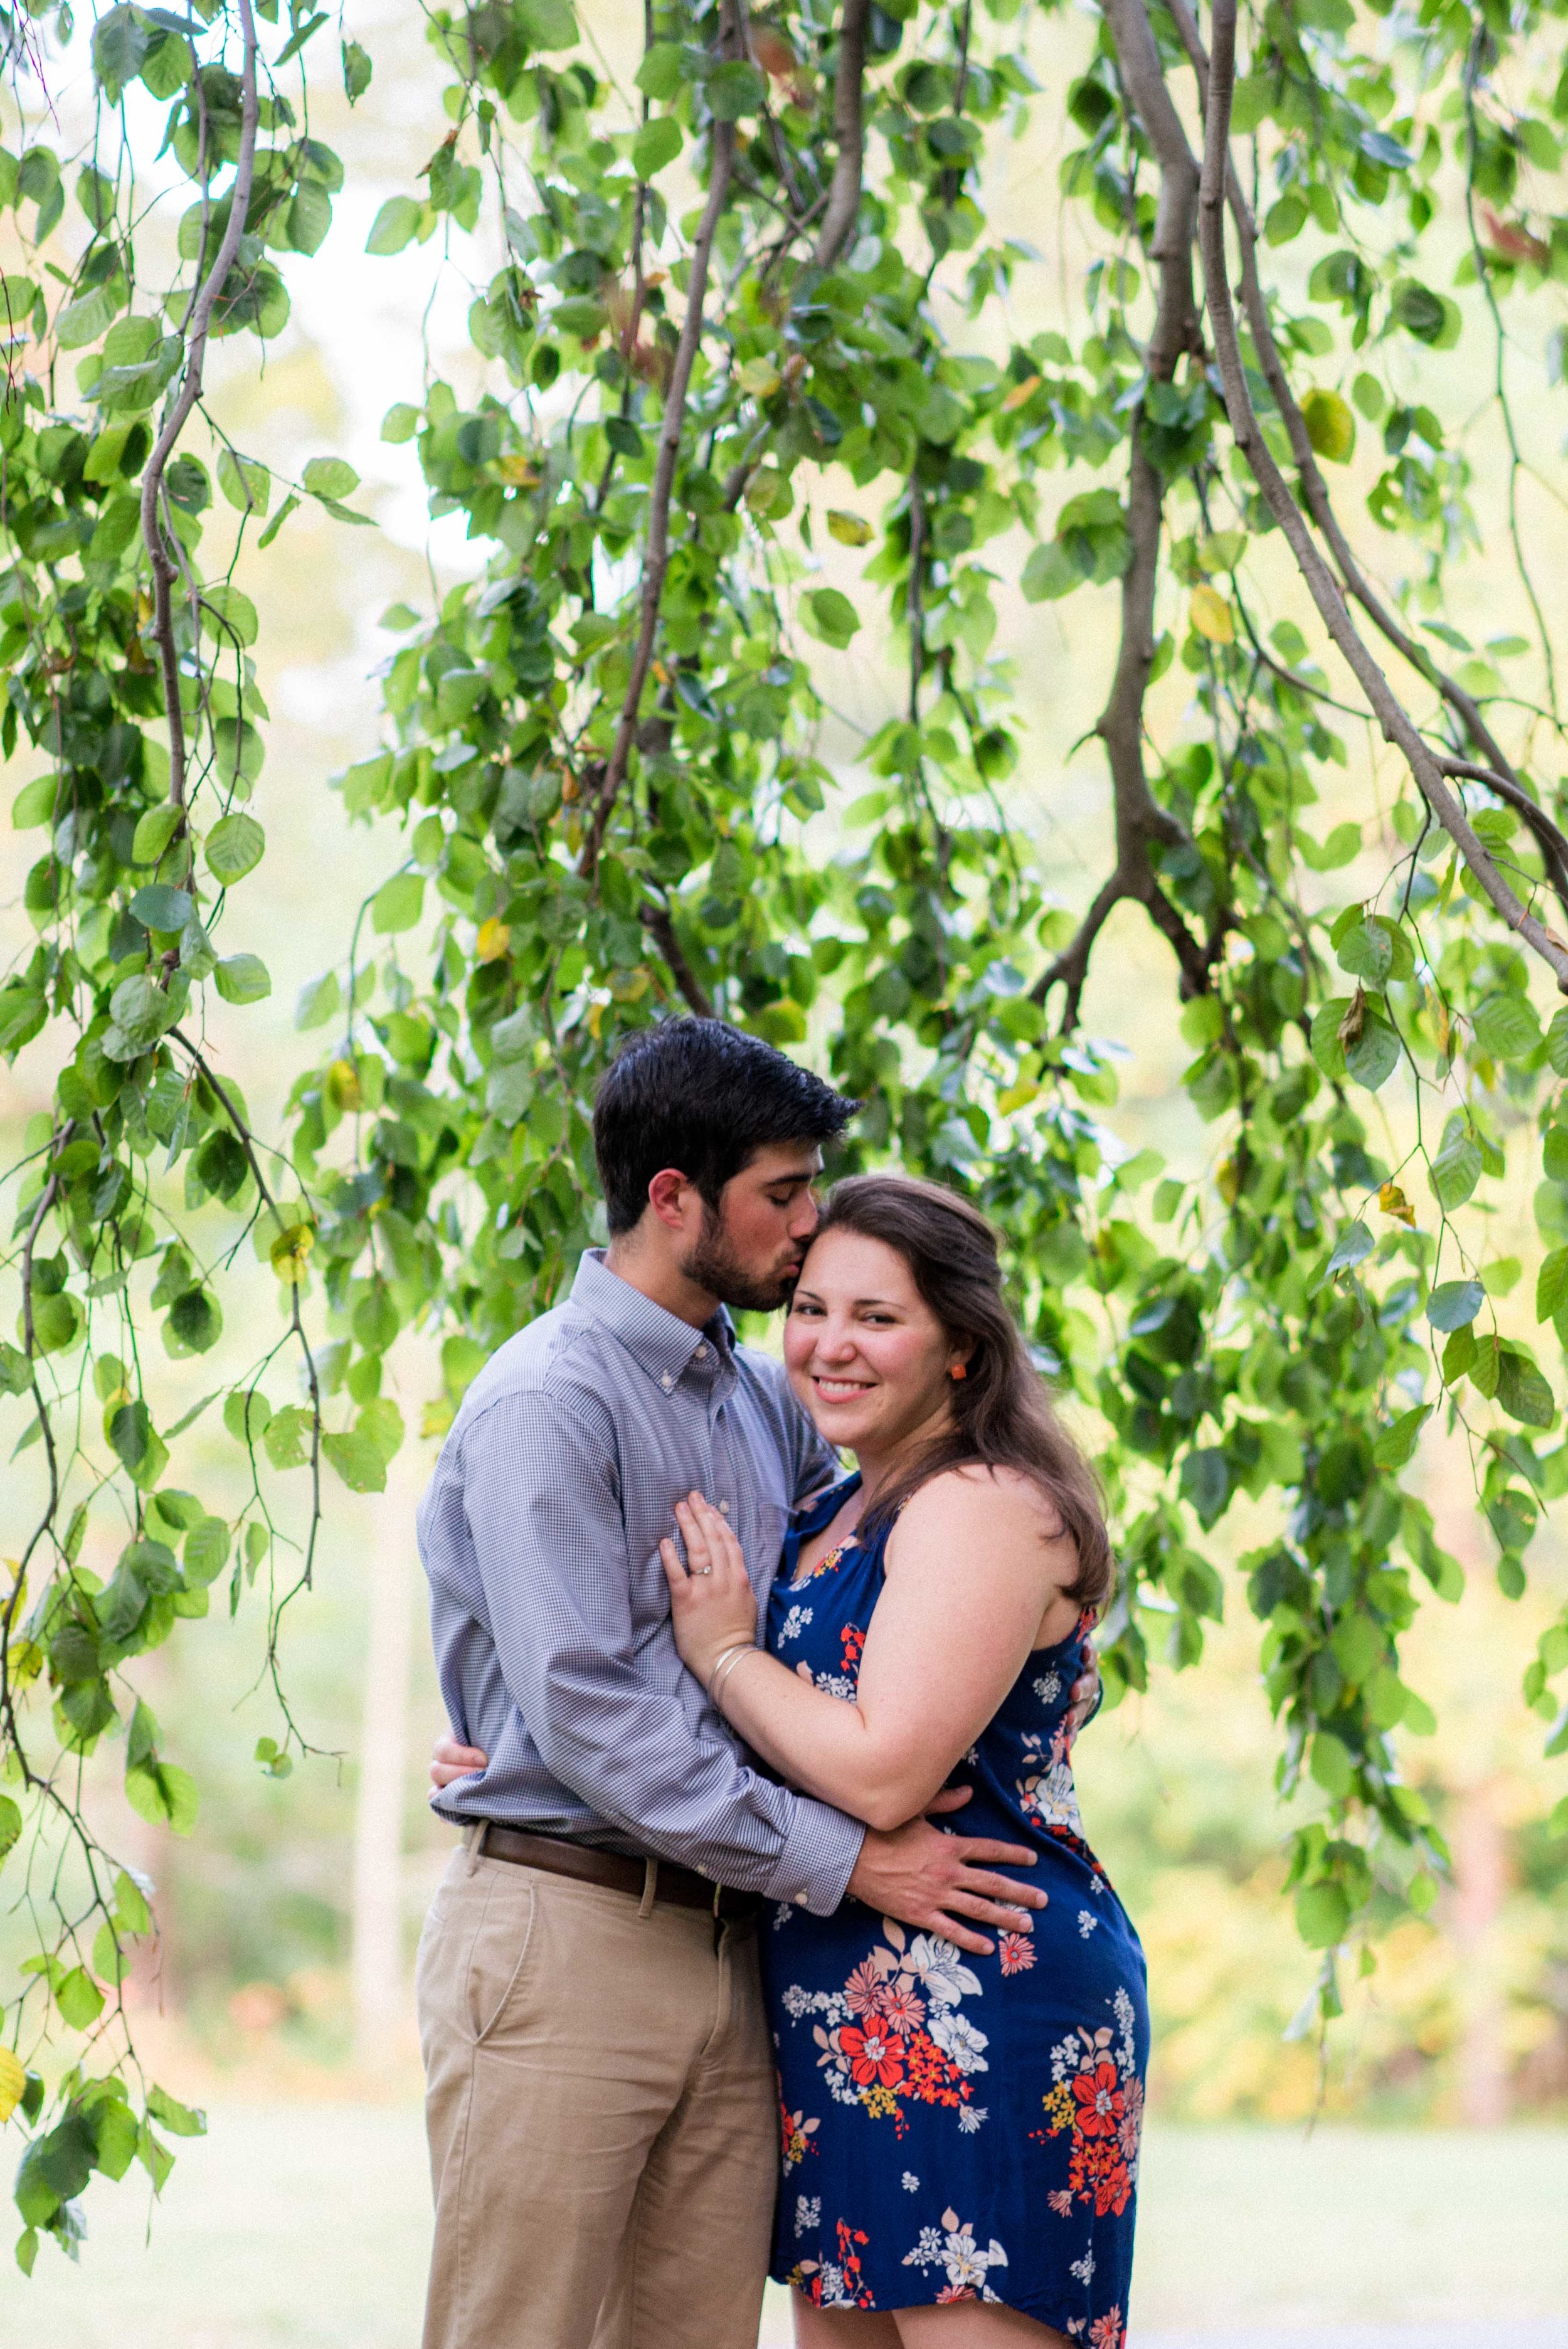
785 1162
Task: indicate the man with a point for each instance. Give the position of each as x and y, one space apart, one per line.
601 2104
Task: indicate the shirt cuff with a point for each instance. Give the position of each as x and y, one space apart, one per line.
818 1859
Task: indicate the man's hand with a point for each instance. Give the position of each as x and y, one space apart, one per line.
449 1761
1085 1694
930 1880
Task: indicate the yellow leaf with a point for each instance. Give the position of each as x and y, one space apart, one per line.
493 940
13 2080
1018 1096
438 1417
760 377
1330 426
1020 394
1393 1202
1211 615
27 1661
521 471
848 528
290 1250
343 1087
1228 1182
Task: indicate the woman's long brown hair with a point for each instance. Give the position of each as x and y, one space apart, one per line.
1002 1414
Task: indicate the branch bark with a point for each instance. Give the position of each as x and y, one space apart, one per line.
660 926
165 570
1315 488
655 563
1141 824
1397 725
848 135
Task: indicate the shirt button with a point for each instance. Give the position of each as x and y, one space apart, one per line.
701 1354
667 1383
724 1508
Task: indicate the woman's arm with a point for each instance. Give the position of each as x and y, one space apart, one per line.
973 1567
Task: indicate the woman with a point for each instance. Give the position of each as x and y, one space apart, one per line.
960 2135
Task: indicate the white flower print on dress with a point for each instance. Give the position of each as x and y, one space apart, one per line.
970 2118
1085 1923
954 2248
836 1684
1083 2269
941 1972
1047 1791
794 1623
808 2212
958 2040
1048 1686
911 2182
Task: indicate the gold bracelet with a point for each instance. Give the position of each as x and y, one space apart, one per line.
723 1669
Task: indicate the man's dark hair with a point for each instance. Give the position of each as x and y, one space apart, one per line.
701 1096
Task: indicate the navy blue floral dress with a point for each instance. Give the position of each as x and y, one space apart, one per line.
958 2127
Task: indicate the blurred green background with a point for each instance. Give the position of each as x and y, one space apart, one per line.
1412 2172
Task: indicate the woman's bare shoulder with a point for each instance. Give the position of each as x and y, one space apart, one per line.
978 1499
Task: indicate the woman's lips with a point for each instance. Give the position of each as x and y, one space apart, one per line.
838 1390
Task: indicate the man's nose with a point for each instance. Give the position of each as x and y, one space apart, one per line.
804 1218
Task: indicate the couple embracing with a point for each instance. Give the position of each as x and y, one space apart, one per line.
774 1942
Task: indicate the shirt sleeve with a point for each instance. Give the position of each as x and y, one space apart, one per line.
549 1538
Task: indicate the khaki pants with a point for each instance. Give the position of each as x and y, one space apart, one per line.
601 2115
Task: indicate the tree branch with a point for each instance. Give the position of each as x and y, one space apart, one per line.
658 922
848 135
1315 488
1141 821
198 322
656 561
1396 722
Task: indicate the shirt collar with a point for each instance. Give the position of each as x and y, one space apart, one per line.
658 1342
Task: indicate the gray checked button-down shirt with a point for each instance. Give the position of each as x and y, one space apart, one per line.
549 1608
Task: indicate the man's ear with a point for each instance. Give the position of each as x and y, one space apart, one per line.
668 1195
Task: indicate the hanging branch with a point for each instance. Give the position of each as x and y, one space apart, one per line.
848 135
1315 488
1141 824
660 926
656 561
165 570
1398 726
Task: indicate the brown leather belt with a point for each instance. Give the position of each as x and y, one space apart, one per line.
556 1857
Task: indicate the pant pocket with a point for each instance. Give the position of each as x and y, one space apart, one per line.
499 1956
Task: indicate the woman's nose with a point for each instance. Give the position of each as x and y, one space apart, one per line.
837 1345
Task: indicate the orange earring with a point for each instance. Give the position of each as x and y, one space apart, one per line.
959 1371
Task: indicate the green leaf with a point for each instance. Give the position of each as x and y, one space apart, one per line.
206 1551
35 804
1506 1027
1396 1446
154 831
235 846
356 71
1331 1769
286 1437
1353 1246
1453 1303
289 505
319 999
1051 571
243 979
398 904
330 477
1374 1056
230 617
10 1824
830 615
1322 1916
1551 1285
244 481
78 1997
180 2120
1456 1169
394 225
160 908
657 143
358 1461
1522 1390
1330 426
735 89
163 1795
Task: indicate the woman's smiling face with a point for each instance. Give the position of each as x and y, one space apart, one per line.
865 1353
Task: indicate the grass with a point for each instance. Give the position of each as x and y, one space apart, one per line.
306 2227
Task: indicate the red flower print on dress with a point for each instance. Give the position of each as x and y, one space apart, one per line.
1096 2095
852 1640
836 2283
1017 1951
865 1992
875 2054
1107 2332
1099 2099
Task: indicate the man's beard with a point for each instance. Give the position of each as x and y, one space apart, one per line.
714 1266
